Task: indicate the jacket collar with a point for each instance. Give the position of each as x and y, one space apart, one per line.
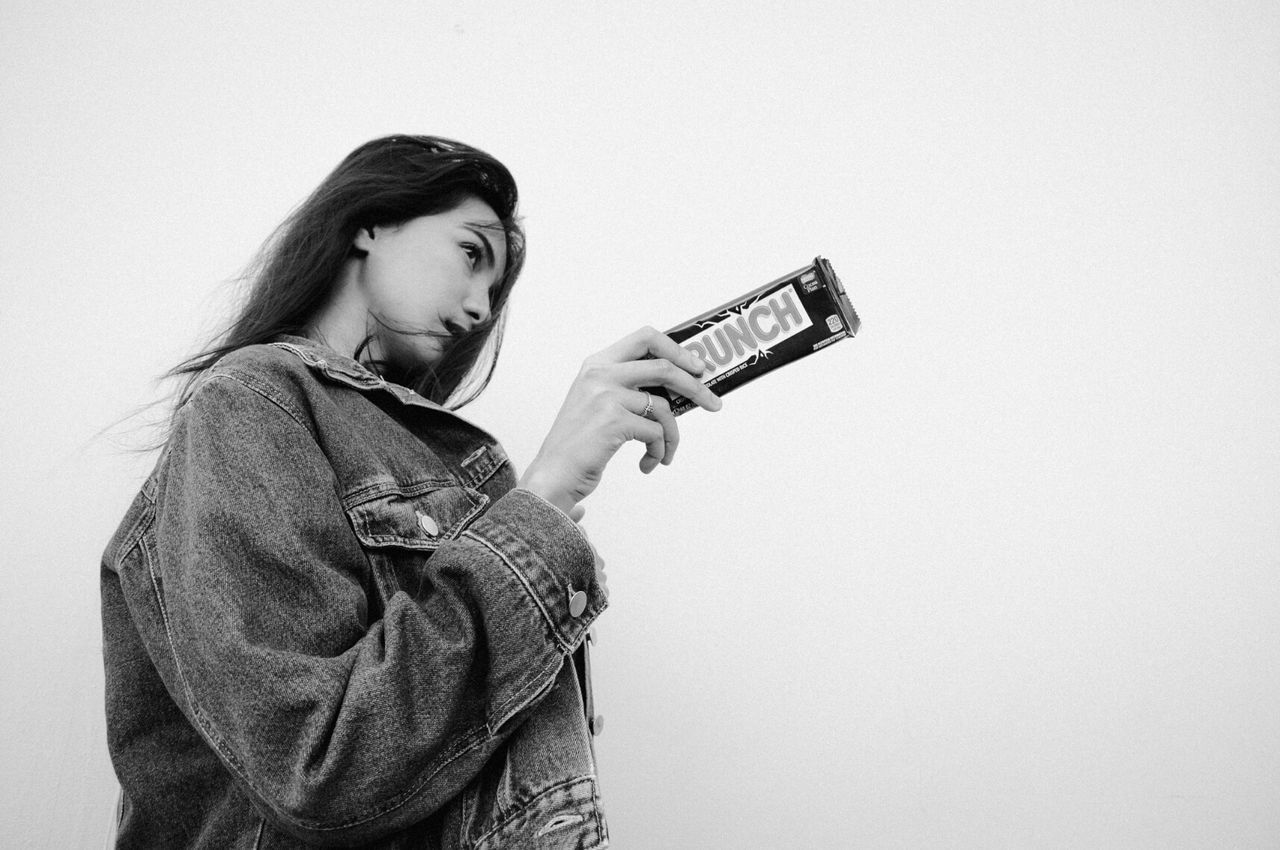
330 363
353 373
344 370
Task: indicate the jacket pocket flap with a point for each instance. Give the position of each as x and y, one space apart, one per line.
417 516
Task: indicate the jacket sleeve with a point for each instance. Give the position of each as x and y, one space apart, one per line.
343 726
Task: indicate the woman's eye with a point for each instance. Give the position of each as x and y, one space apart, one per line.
473 253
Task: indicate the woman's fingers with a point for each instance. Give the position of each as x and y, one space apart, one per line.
664 373
651 433
605 408
660 412
648 342
648 358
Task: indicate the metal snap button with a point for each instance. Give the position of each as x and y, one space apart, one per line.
427 524
577 602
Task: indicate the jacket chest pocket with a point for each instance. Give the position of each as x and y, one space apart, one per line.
417 517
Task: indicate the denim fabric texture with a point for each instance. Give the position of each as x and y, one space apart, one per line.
330 619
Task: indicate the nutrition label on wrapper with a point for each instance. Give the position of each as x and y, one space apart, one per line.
771 326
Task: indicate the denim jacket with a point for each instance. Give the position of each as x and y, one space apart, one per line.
331 620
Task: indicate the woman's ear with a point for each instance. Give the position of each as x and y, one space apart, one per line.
363 242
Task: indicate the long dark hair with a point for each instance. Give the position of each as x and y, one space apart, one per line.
384 182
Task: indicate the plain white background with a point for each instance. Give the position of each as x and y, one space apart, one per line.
1002 572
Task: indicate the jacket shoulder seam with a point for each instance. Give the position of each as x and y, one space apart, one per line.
267 390
131 539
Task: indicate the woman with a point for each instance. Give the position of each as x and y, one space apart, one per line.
333 616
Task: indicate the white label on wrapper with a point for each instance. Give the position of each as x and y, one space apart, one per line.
750 331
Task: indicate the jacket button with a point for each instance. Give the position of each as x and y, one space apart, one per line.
597 724
427 524
577 602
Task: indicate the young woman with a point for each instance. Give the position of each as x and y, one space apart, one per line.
333 616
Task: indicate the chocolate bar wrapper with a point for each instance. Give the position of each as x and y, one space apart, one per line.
782 321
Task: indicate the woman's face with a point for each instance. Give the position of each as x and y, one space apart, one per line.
431 274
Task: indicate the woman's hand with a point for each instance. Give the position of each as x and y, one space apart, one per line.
603 410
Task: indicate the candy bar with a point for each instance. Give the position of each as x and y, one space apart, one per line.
782 321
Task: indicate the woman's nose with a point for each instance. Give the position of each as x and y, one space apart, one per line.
477 304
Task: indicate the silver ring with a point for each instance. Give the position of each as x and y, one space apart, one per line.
648 406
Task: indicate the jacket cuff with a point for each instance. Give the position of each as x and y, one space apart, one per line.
551 557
